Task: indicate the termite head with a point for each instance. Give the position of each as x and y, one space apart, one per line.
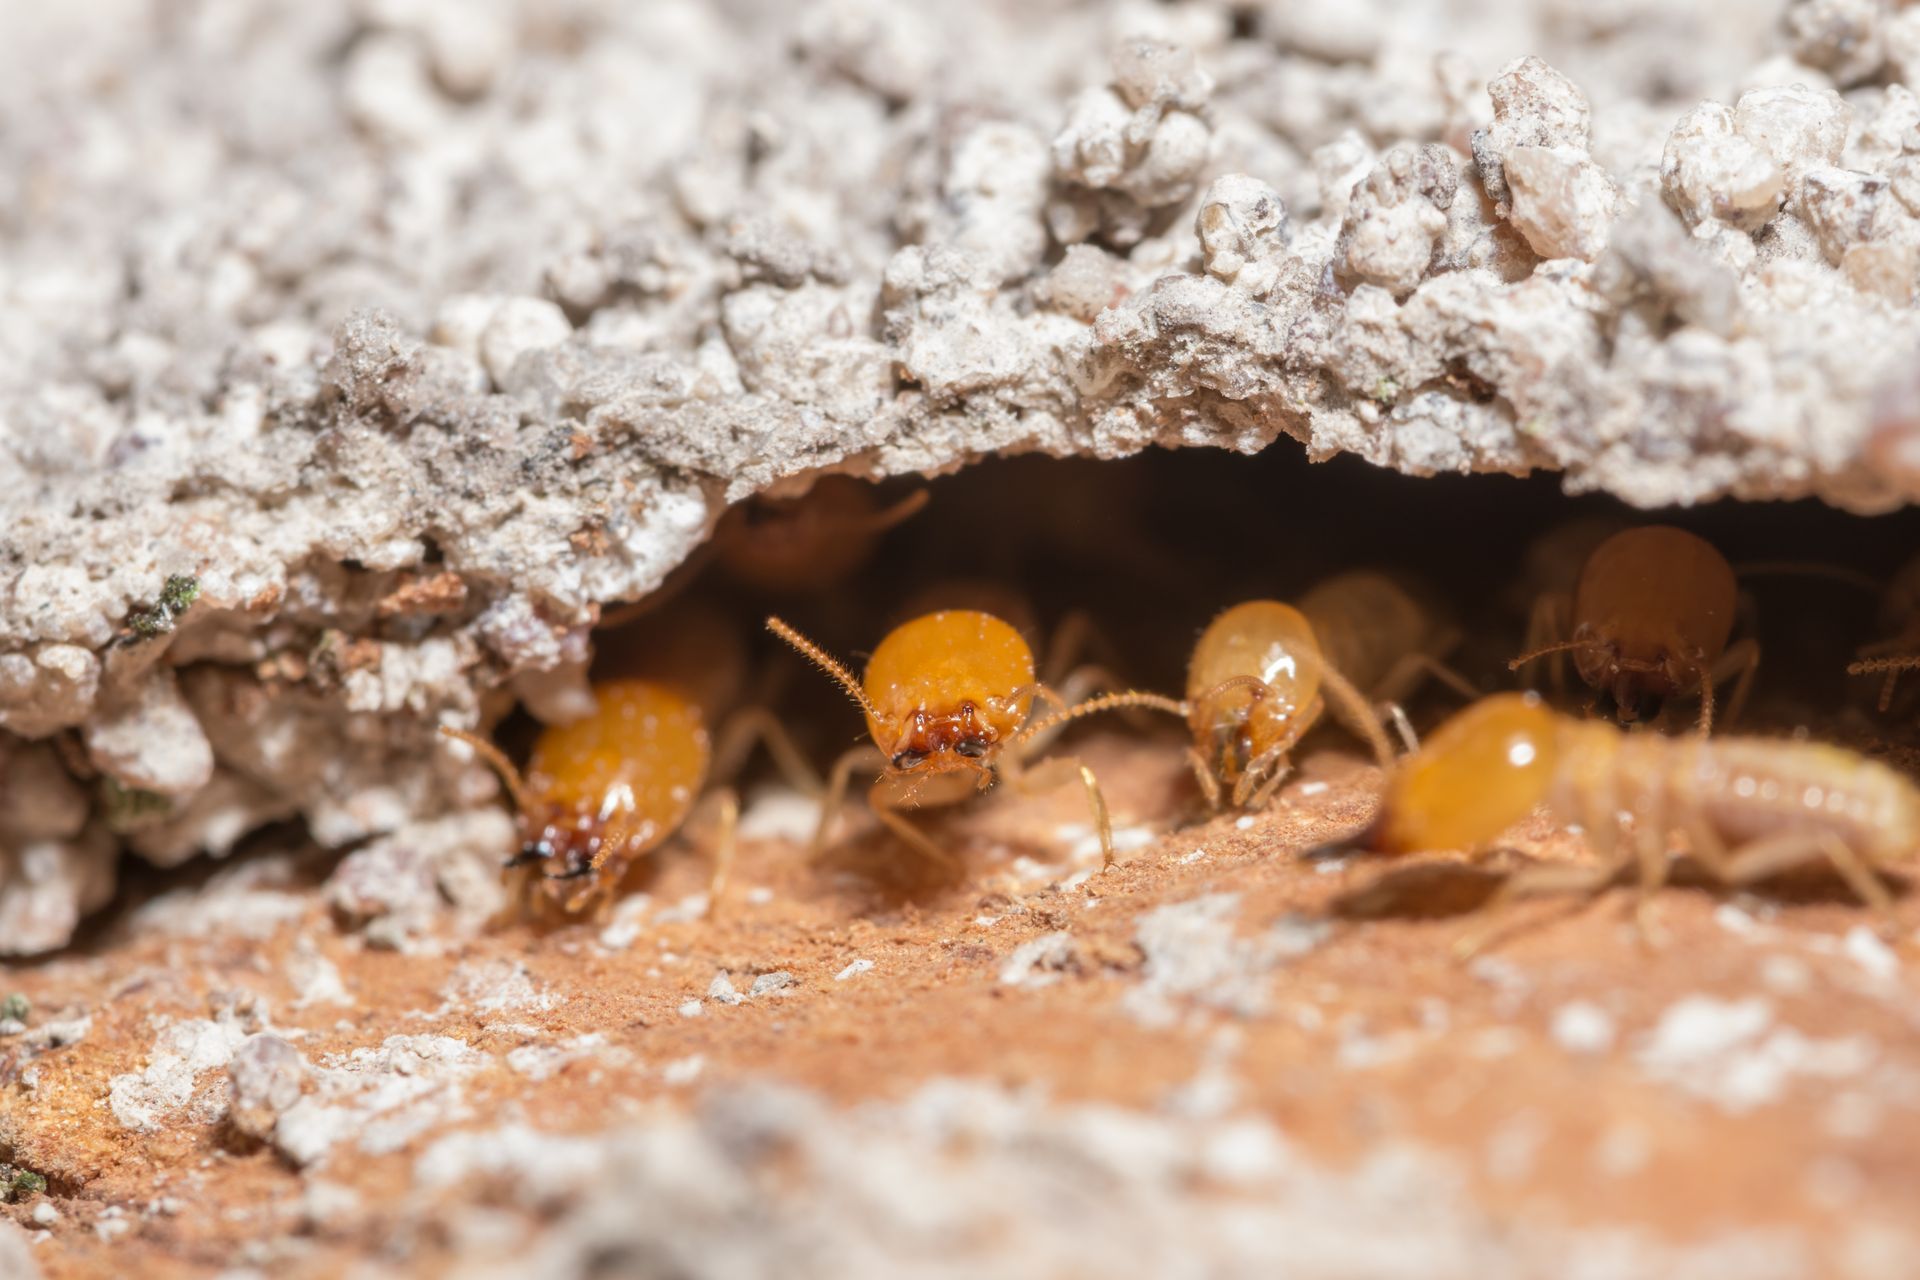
561 844
1478 774
1636 679
943 692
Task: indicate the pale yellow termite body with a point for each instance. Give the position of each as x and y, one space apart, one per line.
1746 807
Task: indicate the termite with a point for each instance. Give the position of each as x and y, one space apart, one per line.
1748 808
786 546
805 544
605 790
1256 678
1651 616
949 699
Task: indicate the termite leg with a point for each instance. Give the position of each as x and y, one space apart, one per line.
1076 636
1535 882
1406 674
727 801
1402 726
1546 627
836 796
1650 849
1265 793
1773 854
1204 776
751 726
1741 660
1052 772
1354 712
923 844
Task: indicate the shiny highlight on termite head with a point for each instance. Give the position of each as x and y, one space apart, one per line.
1253 685
1478 774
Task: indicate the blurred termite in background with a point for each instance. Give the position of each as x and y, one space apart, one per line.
1650 619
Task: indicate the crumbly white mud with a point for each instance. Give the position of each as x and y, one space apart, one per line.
351 356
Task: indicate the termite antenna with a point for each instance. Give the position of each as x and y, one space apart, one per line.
1102 702
516 785
1565 646
1892 666
820 658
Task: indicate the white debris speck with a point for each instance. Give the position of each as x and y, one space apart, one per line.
1243 823
1077 879
45 1215
683 1071
1329 866
494 987
380 1098
773 984
1514 1147
1187 859
183 1051
1195 952
629 918
1722 1051
721 990
1125 840
1622 1151
691 1009
1698 1029
1033 871
540 1061
690 908
1786 975
1304 789
1865 948
1580 1026
780 815
1041 961
759 895
1735 921
1244 1152
853 970
986 922
314 977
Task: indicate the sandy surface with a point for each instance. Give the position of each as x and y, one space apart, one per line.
1747 1087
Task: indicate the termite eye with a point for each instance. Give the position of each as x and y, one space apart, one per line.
972 748
909 759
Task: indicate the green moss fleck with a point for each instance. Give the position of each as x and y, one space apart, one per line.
176 597
129 807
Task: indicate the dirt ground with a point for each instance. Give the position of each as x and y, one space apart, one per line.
1750 1073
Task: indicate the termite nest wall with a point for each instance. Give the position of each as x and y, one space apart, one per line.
357 358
